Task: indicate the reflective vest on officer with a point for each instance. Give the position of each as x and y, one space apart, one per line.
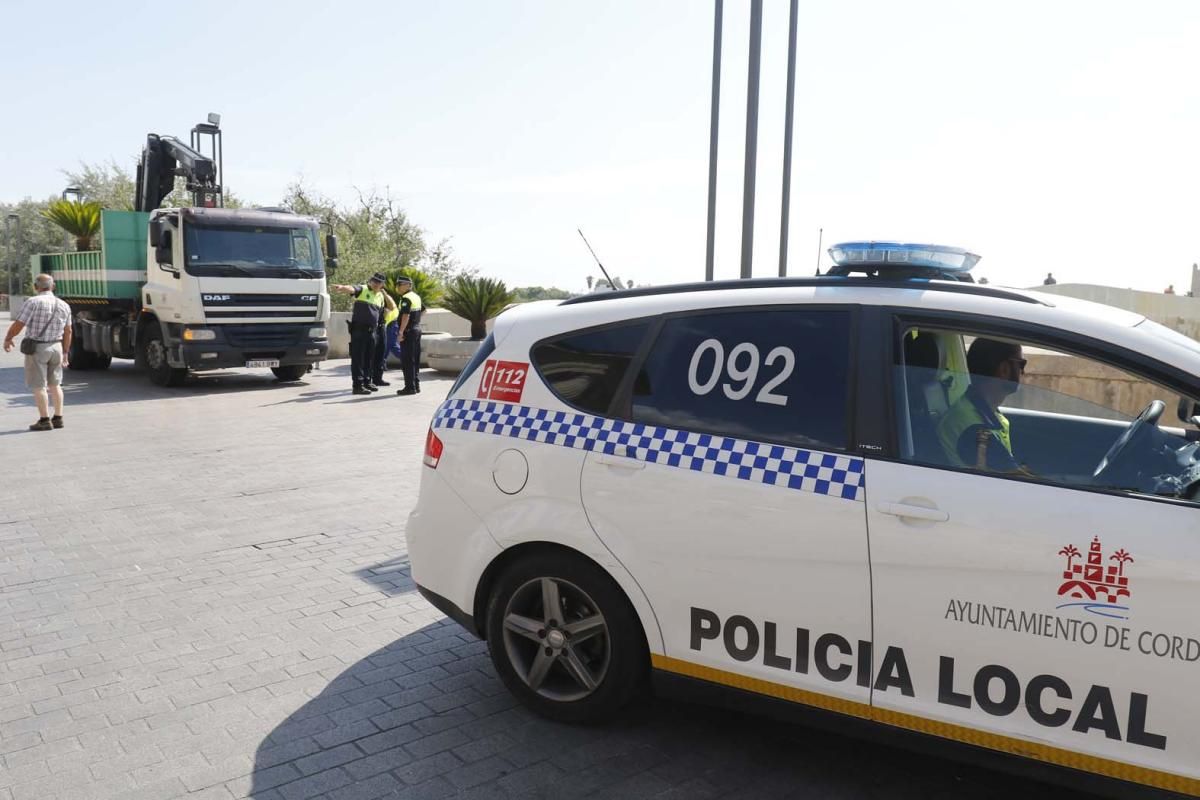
962 416
415 307
367 307
391 315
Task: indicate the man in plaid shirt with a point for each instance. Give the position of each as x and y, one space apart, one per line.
47 320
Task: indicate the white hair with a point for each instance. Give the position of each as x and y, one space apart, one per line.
44 283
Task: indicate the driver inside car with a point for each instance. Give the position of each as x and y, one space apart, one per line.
973 433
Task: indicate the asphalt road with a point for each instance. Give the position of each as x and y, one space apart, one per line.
204 593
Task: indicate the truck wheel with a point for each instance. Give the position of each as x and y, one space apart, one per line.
565 640
153 356
79 358
292 372
101 362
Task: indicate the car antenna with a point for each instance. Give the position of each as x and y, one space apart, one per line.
593 252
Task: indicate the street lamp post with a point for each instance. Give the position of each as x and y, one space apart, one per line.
11 222
75 190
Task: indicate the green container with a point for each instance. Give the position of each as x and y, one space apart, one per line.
114 272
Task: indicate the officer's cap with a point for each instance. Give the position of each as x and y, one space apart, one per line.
404 279
378 277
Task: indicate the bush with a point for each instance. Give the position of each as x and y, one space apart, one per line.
477 300
424 284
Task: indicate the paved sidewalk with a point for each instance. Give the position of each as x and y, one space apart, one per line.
204 592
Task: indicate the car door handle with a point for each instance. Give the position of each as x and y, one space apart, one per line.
622 457
912 512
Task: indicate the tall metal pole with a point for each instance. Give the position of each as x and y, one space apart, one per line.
787 141
712 143
820 238
751 137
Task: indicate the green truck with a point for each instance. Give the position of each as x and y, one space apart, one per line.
196 288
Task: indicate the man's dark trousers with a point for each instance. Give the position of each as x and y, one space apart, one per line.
362 353
379 355
410 358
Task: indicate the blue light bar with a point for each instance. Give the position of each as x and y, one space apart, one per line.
896 254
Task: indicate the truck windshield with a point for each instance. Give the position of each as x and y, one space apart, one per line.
260 251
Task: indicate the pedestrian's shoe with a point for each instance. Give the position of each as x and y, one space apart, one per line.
370 387
407 390
42 424
360 390
56 421
383 383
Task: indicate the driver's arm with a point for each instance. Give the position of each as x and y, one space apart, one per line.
981 449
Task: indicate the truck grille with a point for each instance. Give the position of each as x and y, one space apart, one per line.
264 337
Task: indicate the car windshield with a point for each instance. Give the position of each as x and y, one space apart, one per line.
251 248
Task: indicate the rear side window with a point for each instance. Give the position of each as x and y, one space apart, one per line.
779 376
585 369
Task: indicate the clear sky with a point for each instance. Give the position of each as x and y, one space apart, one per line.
1042 135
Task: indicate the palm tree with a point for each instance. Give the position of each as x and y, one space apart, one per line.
1071 552
589 280
1121 557
477 300
81 220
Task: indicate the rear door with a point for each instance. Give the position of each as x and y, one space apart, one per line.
729 490
1047 612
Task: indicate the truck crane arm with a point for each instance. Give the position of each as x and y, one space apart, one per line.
162 159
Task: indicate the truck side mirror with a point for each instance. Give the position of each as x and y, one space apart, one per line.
331 252
155 232
162 250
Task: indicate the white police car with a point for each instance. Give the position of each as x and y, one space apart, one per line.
876 496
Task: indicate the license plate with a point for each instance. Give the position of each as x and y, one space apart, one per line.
263 363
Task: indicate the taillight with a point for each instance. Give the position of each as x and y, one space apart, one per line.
433 449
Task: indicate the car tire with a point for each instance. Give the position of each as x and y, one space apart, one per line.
583 664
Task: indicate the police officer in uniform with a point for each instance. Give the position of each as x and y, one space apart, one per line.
973 433
385 339
410 336
364 325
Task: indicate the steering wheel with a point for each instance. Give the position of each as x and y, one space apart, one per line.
1149 416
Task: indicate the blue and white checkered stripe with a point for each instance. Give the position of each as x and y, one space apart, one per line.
774 465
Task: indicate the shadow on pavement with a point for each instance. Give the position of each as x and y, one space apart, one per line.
426 716
392 577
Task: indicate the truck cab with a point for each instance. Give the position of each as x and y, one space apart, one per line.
233 288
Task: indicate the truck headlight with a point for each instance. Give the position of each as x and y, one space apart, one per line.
199 335
317 333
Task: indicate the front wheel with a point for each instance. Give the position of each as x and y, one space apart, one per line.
292 372
565 640
153 358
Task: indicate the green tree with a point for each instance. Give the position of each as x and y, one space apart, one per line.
374 235
30 233
525 294
112 186
477 300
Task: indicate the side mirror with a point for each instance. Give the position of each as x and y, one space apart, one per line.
156 231
1187 410
331 252
162 250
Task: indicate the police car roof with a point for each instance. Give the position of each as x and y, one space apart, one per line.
827 280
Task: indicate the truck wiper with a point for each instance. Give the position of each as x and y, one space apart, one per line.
235 267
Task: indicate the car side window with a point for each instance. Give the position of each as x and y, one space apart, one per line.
772 375
585 369
1020 408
